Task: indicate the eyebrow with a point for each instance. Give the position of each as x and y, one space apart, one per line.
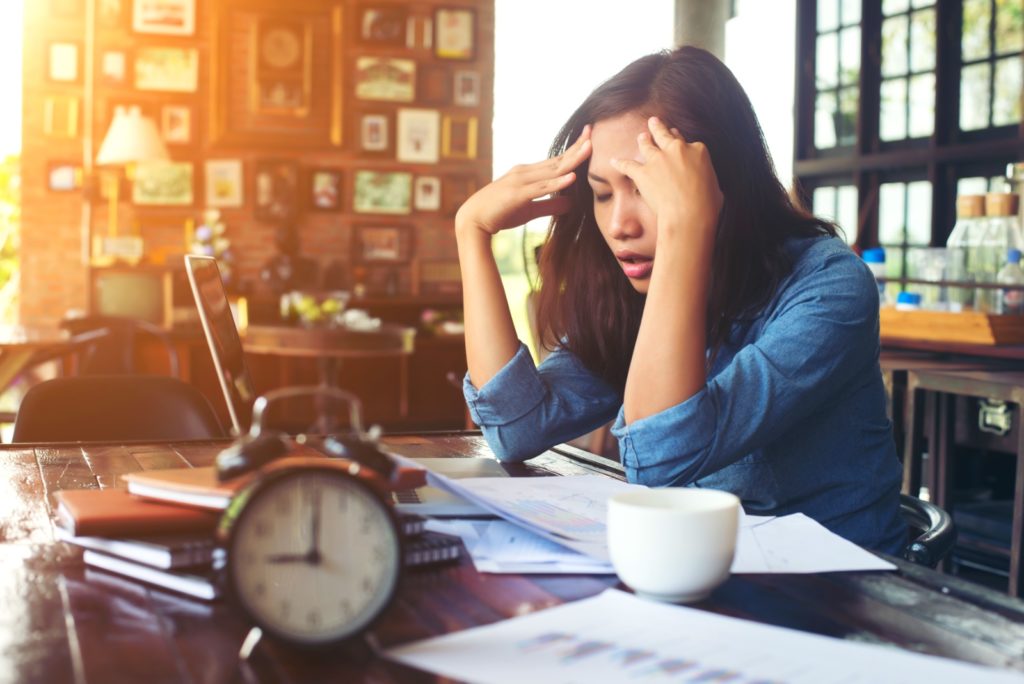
594 177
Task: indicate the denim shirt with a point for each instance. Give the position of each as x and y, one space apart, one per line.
792 418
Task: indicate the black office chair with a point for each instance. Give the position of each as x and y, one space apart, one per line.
115 408
113 353
932 530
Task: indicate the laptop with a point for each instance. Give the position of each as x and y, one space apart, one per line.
236 385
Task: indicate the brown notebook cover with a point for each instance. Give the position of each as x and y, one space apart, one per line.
116 513
197 487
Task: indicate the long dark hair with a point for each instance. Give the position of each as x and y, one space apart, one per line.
585 300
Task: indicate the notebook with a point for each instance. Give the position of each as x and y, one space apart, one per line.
116 513
236 385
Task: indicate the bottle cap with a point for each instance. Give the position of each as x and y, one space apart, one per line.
1000 204
970 206
875 255
1013 255
911 298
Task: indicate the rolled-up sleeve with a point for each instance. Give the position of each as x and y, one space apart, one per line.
525 409
821 333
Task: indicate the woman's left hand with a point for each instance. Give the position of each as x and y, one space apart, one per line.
676 180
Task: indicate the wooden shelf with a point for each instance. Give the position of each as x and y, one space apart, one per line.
968 327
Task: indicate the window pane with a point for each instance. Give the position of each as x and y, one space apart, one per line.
894 46
1009 26
824 203
922 3
825 115
922 105
890 7
847 212
919 213
890 213
893 115
828 15
847 125
974 38
922 40
974 97
849 42
826 60
893 269
971 186
1009 83
851 12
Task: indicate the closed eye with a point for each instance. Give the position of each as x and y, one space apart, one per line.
602 198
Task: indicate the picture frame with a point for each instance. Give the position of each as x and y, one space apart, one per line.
434 87
417 134
166 183
164 17
383 244
63 176
176 124
466 88
282 70
62 62
426 193
459 136
324 189
383 25
114 67
275 187
224 181
382 192
455 191
169 69
60 116
373 133
440 277
385 79
454 33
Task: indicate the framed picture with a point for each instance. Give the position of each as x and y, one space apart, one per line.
383 25
282 79
63 177
385 79
224 182
426 193
60 116
163 184
457 190
458 136
382 192
467 88
325 189
276 183
454 30
114 67
434 85
440 277
167 68
62 65
417 136
383 243
373 133
167 17
176 124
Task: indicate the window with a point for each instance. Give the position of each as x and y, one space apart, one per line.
838 203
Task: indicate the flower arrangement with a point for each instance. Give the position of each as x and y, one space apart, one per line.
210 239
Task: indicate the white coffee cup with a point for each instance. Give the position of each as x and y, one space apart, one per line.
673 544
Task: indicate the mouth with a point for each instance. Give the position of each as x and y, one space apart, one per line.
635 266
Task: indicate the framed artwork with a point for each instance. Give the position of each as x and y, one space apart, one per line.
325 189
417 135
224 182
385 79
167 17
457 190
167 68
426 193
60 116
282 74
434 85
163 184
385 25
176 124
440 277
62 64
63 177
467 88
391 244
454 30
458 136
276 183
382 192
373 133
114 67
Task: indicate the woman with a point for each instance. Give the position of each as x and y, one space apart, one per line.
732 336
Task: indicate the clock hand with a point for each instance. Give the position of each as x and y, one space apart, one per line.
288 558
313 555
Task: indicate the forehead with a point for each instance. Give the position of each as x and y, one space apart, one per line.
616 137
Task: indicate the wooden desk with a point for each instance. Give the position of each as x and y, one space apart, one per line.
65 624
24 346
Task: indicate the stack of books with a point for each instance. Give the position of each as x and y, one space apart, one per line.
161 530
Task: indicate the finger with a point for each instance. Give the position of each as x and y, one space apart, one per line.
646 144
660 132
555 206
547 186
627 167
556 166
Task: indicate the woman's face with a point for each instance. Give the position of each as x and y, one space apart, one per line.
628 226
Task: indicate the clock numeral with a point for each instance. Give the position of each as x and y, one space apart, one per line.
313 618
379 553
285 609
283 506
262 528
260 589
346 607
368 584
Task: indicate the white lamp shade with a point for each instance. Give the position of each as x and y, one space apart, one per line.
131 138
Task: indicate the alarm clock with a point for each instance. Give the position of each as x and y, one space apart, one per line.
313 551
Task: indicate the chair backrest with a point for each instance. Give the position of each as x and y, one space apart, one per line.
932 531
114 352
115 408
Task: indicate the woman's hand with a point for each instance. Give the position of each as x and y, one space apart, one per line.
512 200
676 180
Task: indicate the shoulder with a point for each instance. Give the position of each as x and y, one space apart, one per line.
827 272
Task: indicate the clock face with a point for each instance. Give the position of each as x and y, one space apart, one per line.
280 47
314 556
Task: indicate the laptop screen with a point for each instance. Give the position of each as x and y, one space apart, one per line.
222 339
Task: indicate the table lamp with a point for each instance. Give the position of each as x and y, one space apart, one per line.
131 138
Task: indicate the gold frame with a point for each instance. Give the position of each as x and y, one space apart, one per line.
471 123
50 116
255 82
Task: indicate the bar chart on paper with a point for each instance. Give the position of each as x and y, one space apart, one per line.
616 637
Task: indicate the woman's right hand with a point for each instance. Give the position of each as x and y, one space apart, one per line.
512 200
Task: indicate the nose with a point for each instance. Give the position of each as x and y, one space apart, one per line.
624 223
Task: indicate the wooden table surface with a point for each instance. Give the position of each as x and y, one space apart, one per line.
63 623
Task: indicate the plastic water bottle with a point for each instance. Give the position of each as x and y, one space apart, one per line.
970 223
908 301
875 259
1002 232
1010 301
